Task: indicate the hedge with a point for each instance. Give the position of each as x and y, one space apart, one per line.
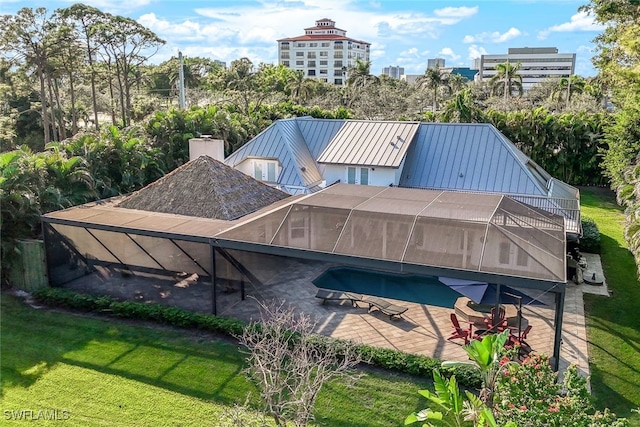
381 357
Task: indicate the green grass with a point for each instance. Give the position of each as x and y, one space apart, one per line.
107 372
613 324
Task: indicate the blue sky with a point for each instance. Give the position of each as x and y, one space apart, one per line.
404 33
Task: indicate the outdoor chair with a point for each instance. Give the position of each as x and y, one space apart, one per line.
459 331
496 325
327 294
384 306
519 340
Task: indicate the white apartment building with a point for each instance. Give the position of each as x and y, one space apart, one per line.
324 52
537 64
393 71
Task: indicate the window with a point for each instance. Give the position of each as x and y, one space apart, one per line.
299 53
323 63
284 55
523 258
337 81
357 175
264 170
298 228
285 63
323 72
311 72
313 44
351 175
311 64
325 44
300 44
300 63
505 248
364 176
324 53
337 64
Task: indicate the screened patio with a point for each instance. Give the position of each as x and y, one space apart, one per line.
471 236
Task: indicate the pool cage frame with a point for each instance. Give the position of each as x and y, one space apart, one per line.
77 240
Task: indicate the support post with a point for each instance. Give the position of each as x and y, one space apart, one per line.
214 290
242 296
557 342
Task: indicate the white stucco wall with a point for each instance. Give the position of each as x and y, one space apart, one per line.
381 176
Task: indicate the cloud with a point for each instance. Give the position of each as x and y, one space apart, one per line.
493 37
581 21
116 7
448 52
456 12
476 51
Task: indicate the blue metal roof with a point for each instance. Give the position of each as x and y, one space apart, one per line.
283 141
454 156
473 157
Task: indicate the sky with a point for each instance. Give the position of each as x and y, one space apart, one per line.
401 33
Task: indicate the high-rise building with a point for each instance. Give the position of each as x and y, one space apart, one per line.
435 62
324 52
536 64
393 71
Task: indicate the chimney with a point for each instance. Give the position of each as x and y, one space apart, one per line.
206 146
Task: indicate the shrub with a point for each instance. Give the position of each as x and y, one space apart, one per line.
590 240
530 395
413 364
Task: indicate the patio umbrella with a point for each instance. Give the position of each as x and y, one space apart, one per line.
487 293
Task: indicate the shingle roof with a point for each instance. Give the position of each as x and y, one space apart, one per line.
204 188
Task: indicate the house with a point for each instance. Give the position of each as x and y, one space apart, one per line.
303 155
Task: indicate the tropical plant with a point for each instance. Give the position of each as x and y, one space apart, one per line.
507 80
530 395
434 80
567 87
455 411
462 108
486 356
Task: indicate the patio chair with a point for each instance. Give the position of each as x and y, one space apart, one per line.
496 324
519 340
459 331
384 306
327 294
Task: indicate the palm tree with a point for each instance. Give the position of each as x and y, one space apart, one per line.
359 74
506 79
567 87
298 86
434 79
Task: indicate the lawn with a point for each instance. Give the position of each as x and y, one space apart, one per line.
106 372
613 324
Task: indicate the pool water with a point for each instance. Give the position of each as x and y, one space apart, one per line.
404 287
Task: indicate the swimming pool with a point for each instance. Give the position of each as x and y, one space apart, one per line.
404 287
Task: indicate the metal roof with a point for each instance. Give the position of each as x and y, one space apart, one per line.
370 143
473 157
283 141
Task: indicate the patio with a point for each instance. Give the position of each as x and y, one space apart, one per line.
423 330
